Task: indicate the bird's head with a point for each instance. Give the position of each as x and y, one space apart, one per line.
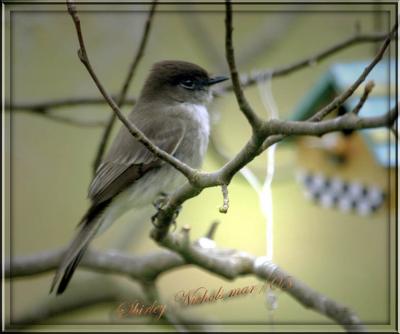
179 81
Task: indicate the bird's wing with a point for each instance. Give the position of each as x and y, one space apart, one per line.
128 159
126 162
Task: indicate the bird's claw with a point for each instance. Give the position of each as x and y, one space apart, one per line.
158 204
160 201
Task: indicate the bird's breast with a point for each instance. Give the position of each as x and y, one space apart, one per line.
195 141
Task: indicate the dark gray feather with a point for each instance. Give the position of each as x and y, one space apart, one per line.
128 159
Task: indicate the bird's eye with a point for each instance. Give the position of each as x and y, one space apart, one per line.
188 84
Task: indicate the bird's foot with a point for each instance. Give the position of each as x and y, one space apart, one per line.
160 201
159 205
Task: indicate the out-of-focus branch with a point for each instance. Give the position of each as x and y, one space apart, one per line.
124 90
339 100
142 268
89 293
245 80
226 263
367 90
95 291
71 121
45 106
252 79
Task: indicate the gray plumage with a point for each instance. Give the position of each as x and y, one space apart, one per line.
171 113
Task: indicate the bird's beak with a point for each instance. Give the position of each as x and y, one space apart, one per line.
213 81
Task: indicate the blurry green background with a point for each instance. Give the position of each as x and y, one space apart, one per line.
344 256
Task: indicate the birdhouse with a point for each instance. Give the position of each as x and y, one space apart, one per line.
353 171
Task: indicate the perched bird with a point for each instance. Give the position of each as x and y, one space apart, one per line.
171 111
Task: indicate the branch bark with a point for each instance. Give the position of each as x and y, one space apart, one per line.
244 105
226 263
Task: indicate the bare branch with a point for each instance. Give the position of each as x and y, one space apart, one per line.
141 268
42 107
339 100
122 96
226 263
69 120
349 121
89 293
249 80
251 116
211 231
367 90
225 206
189 172
245 80
186 235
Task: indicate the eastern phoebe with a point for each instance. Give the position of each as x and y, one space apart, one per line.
171 111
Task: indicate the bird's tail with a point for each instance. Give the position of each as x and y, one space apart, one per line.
75 251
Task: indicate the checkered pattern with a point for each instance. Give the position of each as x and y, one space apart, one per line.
337 193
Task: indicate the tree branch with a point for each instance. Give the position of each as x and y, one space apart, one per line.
123 94
251 116
339 100
229 264
249 80
45 106
348 121
367 90
245 80
225 205
69 120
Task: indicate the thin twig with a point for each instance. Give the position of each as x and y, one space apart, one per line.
249 80
189 172
225 205
124 90
367 90
186 234
251 116
339 100
246 80
44 106
72 121
211 231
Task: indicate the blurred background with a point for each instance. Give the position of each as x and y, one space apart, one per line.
344 251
